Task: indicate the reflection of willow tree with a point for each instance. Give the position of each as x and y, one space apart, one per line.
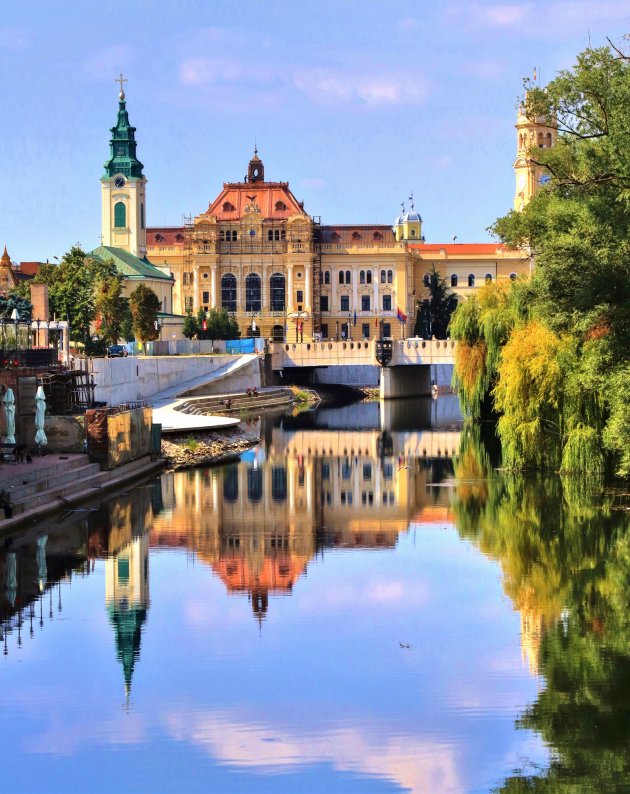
565 557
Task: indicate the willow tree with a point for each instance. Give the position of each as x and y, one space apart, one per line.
577 228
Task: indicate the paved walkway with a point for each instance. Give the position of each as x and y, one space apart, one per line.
38 468
173 421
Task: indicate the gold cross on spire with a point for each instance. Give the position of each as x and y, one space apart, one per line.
121 79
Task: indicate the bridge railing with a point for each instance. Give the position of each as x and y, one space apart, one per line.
361 351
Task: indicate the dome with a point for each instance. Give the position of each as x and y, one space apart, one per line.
412 216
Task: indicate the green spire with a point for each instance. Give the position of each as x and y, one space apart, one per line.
122 146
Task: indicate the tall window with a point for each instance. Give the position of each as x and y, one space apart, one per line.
341 276
252 293
205 297
327 277
369 276
365 303
254 484
348 277
276 284
390 276
278 483
454 280
427 279
387 303
120 215
323 303
345 303
230 484
383 277
387 329
471 280
362 277
228 292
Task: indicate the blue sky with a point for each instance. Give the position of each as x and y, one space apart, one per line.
354 103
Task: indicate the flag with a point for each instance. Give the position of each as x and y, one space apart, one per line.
376 322
355 317
402 318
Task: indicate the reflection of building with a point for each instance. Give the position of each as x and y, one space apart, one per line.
259 522
127 599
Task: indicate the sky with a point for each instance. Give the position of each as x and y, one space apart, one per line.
355 104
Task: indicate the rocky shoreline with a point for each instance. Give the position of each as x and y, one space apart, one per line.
186 451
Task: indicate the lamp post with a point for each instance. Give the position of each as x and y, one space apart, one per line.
37 323
349 326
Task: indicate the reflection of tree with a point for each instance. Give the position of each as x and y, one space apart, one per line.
565 557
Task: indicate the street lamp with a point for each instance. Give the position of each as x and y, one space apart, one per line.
37 323
349 326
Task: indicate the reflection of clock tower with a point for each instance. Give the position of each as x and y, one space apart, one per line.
530 133
124 188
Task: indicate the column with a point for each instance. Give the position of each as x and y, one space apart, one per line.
213 287
195 288
307 288
289 288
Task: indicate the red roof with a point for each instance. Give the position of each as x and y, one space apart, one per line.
165 235
30 268
460 249
272 200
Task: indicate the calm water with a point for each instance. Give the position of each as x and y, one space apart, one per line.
362 604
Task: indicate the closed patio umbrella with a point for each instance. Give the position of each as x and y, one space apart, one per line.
40 414
9 409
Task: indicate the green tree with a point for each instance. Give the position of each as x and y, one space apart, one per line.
434 310
72 290
109 307
578 229
191 326
219 325
145 305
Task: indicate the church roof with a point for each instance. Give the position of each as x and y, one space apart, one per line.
271 200
129 265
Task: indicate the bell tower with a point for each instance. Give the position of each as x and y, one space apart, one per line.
531 133
256 169
123 188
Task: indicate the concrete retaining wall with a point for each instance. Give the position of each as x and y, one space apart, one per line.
366 375
121 380
245 377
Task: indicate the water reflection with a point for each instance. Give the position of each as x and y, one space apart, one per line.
382 654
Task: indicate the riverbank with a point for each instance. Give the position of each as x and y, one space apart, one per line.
188 451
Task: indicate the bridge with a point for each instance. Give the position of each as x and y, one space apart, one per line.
408 368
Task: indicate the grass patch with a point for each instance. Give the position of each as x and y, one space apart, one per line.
192 444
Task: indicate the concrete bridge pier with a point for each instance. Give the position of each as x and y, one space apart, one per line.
406 381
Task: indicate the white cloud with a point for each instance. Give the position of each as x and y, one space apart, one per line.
500 16
314 183
333 86
414 763
107 62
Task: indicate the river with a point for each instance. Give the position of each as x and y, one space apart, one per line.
363 603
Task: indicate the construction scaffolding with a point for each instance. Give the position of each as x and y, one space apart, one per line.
316 286
188 264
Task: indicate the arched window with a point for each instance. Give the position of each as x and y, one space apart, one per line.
254 484
120 215
270 234
512 276
228 206
278 483
277 333
540 140
230 484
179 238
427 280
283 234
276 284
228 292
341 276
280 206
368 277
234 236
348 277
377 236
454 280
390 276
356 236
549 140
252 293
221 235
327 277
276 234
362 277
383 277
471 280
413 232
488 278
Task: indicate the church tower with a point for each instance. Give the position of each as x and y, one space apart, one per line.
256 169
124 188
530 133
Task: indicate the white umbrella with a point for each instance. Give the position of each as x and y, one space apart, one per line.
9 409
40 413
42 570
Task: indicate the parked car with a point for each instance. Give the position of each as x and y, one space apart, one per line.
116 351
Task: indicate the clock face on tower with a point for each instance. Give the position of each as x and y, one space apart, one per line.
119 181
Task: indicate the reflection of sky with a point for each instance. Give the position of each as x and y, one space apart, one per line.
322 695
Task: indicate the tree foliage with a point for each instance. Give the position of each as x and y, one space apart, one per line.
578 301
144 305
218 325
435 308
109 307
